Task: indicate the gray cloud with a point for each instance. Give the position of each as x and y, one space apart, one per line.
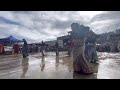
47 25
7 21
106 21
64 24
109 15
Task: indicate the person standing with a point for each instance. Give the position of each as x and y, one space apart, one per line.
1 48
57 48
25 49
16 48
43 48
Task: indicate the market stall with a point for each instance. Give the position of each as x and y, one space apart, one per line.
8 44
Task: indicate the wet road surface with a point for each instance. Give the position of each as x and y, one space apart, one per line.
60 67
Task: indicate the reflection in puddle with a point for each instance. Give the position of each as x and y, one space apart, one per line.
57 62
59 67
25 66
42 63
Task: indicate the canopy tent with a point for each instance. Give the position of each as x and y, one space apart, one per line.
9 40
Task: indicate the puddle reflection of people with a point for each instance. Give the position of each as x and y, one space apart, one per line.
68 62
42 63
25 65
57 62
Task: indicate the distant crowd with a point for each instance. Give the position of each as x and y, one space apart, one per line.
17 48
108 48
35 48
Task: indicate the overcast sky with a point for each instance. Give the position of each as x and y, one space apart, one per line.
36 26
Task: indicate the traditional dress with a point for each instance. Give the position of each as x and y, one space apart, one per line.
80 63
57 48
16 48
25 49
1 48
43 48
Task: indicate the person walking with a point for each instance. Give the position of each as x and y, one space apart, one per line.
25 49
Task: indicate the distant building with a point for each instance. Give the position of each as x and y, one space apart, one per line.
65 38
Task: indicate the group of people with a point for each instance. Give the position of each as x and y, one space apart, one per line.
17 48
25 49
56 48
108 48
82 46
33 48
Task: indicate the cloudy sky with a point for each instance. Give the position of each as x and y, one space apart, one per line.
36 26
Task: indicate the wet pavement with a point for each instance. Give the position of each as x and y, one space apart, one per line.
52 67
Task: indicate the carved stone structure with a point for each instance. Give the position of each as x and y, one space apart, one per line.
80 63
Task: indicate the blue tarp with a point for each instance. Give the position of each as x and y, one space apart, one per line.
10 40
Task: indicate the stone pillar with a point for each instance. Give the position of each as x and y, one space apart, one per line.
79 61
